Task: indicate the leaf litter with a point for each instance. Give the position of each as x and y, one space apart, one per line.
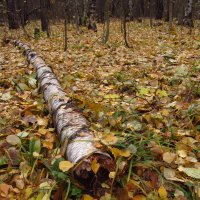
143 105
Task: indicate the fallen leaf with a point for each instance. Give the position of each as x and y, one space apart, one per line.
192 172
13 140
162 192
112 175
23 134
95 166
111 96
6 96
19 184
139 197
65 166
117 152
87 197
4 188
169 157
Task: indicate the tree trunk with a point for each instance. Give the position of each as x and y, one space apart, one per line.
100 10
151 13
159 9
85 11
170 14
44 6
106 29
180 14
12 14
166 10
130 9
72 128
188 14
124 27
66 21
22 6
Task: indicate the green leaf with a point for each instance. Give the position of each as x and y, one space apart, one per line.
75 192
23 134
60 175
143 91
23 86
3 121
32 82
35 146
3 160
182 70
55 166
192 172
161 93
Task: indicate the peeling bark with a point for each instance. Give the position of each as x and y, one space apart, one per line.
72 128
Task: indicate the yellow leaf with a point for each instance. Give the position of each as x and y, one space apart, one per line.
111 96
95 166
42 121
117 152
139 197
65 166
110 139
28 192
47 144
42 131
162 192
112 175
87 197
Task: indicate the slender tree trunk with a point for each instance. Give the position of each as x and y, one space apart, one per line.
23 11
170 14
12 14
85 12
44 6
124 27
166 10
130 9
106 30
180 12
66 20
188 15
151 13
77 16
159 9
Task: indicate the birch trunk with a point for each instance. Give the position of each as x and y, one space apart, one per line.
72 128
188 14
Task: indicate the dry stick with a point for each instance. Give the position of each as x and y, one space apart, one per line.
72 128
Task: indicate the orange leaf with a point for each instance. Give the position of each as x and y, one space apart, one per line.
139 197
95 166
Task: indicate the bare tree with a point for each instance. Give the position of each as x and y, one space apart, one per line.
44 6
151 13
12 14
66 21
124 27
106 28
170 14
188 15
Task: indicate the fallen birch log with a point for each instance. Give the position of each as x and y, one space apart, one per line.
71 127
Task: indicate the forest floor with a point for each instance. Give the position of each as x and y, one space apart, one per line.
143 104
